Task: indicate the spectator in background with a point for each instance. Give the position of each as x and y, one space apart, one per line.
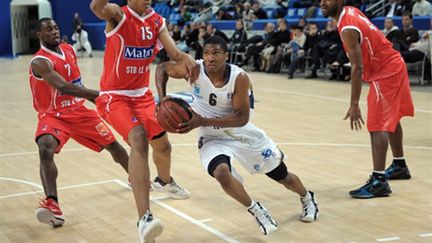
282 36
312 38
81 42
390 29
192 36
65 39
205 13
248 15
238 37
303 23
238 10
422 8
394 9
407 35
417 52
185 16
255 49
258 12
282 9
294 48
222 15
176 33
211 30
77 21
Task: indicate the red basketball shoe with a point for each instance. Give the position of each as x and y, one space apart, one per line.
49 212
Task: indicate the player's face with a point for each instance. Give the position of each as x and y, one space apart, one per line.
330 8
50 33
139 6
214 57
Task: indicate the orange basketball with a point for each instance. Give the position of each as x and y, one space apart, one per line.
173 111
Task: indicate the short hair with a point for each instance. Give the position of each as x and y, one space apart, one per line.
217 40
41 21
407 13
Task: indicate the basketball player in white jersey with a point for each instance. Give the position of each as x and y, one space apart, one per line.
221 105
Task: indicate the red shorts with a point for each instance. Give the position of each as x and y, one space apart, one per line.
389 99
83 125
124 113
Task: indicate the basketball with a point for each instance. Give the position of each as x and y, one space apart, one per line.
173 111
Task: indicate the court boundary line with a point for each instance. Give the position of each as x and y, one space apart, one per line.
328 98
155 200
194 144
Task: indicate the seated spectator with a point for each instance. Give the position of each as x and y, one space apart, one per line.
77 21
222 15
281 36
407 35
248 15
238 37
417 52
185 16
65 39
238 10
81 42
254 50
312 38
294 48
258 12
327 48
282 9
422 8
205 13
390 29
311 11
303 23
211 30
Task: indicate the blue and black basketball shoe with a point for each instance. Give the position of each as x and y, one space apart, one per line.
397 172
373 188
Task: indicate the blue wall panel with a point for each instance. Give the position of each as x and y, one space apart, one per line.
6 34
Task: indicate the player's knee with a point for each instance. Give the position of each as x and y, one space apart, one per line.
137 138
115 149
164 146
222 174
279 174
47 145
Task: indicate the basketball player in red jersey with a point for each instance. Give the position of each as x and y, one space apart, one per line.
58 93
135 33
375 61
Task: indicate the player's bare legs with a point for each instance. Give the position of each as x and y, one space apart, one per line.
48 170
396 141
293 183
231 185
48 211
398 168
379 142
162 159
118 154
139 169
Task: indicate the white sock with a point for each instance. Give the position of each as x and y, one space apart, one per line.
399 158
379 171
252 205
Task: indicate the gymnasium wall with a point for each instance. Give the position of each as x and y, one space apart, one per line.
6 35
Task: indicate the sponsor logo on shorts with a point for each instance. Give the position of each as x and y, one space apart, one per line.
257 167
45 127
267 153
134 119
102 129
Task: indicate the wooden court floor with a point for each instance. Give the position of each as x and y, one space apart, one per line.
303 116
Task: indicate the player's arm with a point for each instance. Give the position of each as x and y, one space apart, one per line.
110 12
43 69
351 39
240 116
175 54
164 71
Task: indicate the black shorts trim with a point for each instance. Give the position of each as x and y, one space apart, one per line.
159 135
220 159
279 173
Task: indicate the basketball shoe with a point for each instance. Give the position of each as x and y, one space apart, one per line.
397 172
49 212
310 208
149 228
372 188
266 223
172 189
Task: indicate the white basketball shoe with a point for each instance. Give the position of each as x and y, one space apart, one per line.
310 208
149 228
266 223
172 189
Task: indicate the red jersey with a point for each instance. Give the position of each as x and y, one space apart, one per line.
46 99
380 60
130 49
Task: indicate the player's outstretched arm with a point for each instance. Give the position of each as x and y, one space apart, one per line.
43 68
175 54
241 107
351 39
164 71
110 12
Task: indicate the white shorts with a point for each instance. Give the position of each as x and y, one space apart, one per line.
248 145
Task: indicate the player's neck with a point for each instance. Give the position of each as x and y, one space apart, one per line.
54 48
217 76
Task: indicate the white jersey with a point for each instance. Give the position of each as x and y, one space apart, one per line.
248 144
212 102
